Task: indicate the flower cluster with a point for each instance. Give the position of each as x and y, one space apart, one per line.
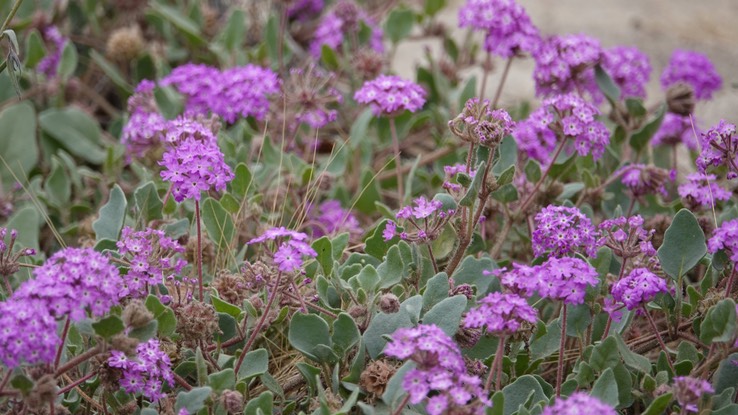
73 281
719 146
629 68
643 180
343 22
562 117
427 217
390 95
240 91
145 127
480 124
688 391
701 190
331 219
146 372
725 237
27 332
692 68
564 279
9 264
292 247
305 9
676 129
194 165
508 28
49 64
563 230
564 65
638 288
626 237
309 93
577 404
439 368
501 313
451 171
152 257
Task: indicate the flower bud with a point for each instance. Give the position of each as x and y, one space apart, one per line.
389 303
232 401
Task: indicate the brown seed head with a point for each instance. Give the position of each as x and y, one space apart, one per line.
125 44
680 99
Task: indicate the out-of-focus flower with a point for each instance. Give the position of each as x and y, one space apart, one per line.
389 95
508 28
677 129
688 391
343 22
564 65
49 64
695 69
629 68
702 190
579 403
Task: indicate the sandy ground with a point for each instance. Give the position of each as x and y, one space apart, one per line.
657 27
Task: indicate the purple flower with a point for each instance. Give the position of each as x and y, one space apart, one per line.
509 30
479 123
146 372
305 9
145 127
563 230
390 95
564 279
49 64
688 391
331 219
197 82
290 250
719 146
626 237
629 68
702 190
500 313
564 65
72 282
579 403
9 260
692 68
343 22
193 165
27 332
638 288
390 229
725 237
643 180
152 257
677 129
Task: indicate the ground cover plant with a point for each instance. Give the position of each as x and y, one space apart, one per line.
239 208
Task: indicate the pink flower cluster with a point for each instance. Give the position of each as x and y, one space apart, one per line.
638 288
562 230
292 247
702 190
564 65
390 95
579 403
725 237
692 68
629 68
500 313
146 372
508 28
719 146
564 279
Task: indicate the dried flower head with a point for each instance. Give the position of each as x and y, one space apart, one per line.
479 124
680 99
196 322
125 44
375 376
9 260
309 96
643 180
627 237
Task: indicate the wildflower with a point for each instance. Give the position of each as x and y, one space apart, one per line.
629 68
719 146
145 127
146 372
342 22
643 180
627 237
692 68
302 10
193 166
508 28
563 230
479 124
290 253
427 218
564 279
501 313
564 65
9 261
73 281
725 237
308 93
638 288
49 64
702 190
689 390
331 219
390 95
579 403
676 129
152 257
27 332
390 229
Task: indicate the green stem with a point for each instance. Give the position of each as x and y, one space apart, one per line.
11 15
398 169
505 71
562 345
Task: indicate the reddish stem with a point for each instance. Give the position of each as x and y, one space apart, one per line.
76 383
59 351
658 337
560 367
199 249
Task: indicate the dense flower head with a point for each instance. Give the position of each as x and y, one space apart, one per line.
72 282
564 65
508 28
145 127
439 367
49 64
688 391
719 146
643 180
692 68
241 91
146 372
389 94
638 288
27 332
563 230
343 22
725 237
627 237
500 313
305 9
702 190
291 247
152 257
567 117
676 129
194 166
629 68
579 403
565 279
331 219
479 123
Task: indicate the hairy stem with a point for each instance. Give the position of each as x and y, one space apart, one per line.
60 349
77 360
401 406
398 162
562 345
12 13
76 383
505 71
495 369
199 249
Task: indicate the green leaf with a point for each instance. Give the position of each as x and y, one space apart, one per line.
658 406
234 32
255 363
193 400
726 374
471 271
261 405
76 131
27 222
111 71
605 355
218 223
328 57
225 307
146 332
606 388
179 21
640 138
325 254
22 383
165 317
68 61
368 278
148 203
473 191
447 314
385 324
58 185
345 334
532 171
684 245
506 194
399 24
18 145
111 217
108 327
520 392
436 290
220 381
35 50
242 180
631 359
201 367
719 324
606 84
546 343
392 270
506 176
308 331
433 6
